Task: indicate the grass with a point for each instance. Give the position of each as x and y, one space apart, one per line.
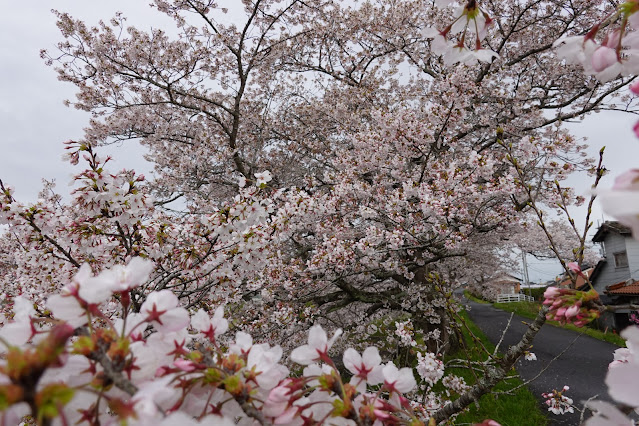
525 309
519 409
530 309
470 296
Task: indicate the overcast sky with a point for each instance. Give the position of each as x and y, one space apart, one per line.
35 123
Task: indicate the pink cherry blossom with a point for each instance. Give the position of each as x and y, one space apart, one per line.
574 267
622 201
621 381
184 365
243 343
279 402
18 332
572 311
557 402
624 370
152 396
488 422
429 368
627 181
89 288
551 292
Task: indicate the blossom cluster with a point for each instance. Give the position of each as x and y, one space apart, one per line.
164 364
557 402
112 219
404 330
469 22
569 306
429 368
611 54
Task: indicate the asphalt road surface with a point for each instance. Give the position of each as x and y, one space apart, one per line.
582 362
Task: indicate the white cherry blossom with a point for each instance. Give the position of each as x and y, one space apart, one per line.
366 368
398 380
317 347
210 327
161 309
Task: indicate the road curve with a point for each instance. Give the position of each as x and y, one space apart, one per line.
582 365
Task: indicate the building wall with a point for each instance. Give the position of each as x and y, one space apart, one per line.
632 246
609 273
606 322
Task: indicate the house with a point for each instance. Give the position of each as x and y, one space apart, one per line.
616 276
580 281
620 256
500 283
623 294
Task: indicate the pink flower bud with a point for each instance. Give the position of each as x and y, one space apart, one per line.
184 365
628 180
612 39
603 58
551 293
572 311
574 267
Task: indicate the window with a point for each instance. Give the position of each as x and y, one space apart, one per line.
621 259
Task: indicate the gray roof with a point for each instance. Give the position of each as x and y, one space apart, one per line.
610 226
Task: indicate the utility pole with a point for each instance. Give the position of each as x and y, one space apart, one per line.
524 265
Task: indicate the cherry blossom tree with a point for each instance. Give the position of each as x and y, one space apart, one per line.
391 151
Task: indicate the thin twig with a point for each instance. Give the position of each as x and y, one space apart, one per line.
542 370
503 334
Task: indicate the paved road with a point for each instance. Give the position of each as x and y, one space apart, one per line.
582 366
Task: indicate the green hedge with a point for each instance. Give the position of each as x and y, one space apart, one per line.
536 292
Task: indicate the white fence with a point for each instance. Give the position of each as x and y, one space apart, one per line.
505 298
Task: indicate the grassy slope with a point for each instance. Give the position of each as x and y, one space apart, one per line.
519 409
